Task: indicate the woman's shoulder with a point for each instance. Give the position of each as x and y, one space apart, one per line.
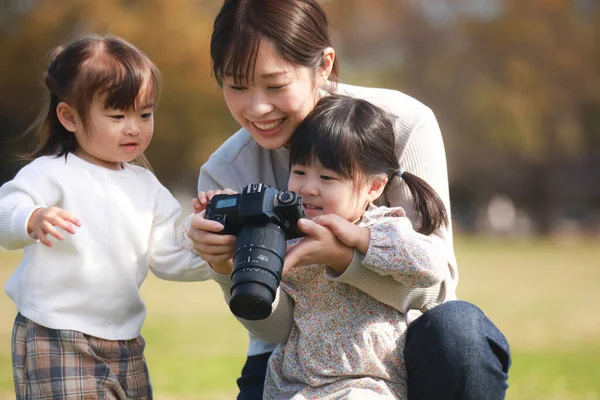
392 101
239 147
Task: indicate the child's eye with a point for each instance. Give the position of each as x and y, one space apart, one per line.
147 115
237 88
117 116
298 172
327 178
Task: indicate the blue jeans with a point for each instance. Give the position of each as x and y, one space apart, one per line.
452 352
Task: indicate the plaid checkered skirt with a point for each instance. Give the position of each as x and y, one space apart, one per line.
62 364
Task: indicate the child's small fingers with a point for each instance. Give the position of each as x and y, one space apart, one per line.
41 235
55 233
49 229
202 198
67 225
63 217
75 221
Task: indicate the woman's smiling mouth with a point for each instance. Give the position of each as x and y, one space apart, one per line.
268 127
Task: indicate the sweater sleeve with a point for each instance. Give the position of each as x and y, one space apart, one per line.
169 258
214 175
19 198
409 257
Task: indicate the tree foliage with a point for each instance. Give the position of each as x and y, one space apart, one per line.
516 88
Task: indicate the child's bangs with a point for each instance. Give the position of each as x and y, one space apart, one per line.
320 144
122 83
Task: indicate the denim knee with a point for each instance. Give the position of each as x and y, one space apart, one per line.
462 332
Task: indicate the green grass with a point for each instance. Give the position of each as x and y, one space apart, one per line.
543 295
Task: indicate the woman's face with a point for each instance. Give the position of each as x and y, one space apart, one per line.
277 98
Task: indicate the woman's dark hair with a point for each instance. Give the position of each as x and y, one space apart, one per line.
81 71
298 29
356 139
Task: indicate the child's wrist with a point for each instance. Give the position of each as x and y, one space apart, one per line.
364 238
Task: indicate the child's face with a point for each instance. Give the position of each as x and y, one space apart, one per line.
323 192
115 136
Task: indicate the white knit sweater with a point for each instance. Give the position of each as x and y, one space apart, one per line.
420 149
89 282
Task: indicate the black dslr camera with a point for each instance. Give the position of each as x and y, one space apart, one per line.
262 218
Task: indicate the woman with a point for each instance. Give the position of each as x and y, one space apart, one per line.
274 61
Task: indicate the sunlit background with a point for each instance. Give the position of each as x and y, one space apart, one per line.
515 85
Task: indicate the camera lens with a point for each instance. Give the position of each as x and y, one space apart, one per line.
257 266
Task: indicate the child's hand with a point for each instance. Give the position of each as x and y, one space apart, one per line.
199 203
348 233
319 246
44 220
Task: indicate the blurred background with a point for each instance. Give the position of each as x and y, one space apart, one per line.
515 85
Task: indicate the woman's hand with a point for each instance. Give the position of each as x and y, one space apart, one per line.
320 246
212 247
44 220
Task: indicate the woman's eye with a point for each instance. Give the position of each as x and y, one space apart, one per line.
276 87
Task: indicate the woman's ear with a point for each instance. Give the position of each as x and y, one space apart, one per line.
327 66
377 187
67 116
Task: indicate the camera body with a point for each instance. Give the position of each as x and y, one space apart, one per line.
257 204
262 218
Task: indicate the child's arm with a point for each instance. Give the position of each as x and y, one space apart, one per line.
26 212
396 249
171 257
392 247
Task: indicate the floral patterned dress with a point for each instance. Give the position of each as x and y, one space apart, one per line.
344 343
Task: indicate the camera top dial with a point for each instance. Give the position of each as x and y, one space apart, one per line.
286 197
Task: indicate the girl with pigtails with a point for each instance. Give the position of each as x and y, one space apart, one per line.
343 343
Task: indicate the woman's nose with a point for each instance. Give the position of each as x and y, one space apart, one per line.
260 105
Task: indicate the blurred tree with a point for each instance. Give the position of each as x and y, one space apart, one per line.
515 87
532 71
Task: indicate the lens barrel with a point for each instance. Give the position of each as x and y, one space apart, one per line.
257 267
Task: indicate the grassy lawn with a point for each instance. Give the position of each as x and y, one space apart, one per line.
542 295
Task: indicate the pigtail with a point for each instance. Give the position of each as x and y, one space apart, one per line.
53 138
427 203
